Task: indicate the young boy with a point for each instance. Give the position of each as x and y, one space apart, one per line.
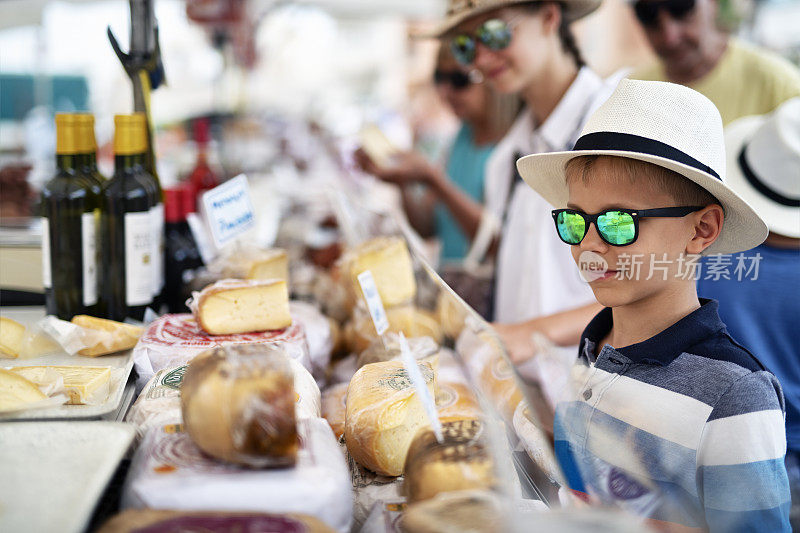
673 419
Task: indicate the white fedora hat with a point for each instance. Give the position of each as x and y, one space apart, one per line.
460 10
668 125
764 165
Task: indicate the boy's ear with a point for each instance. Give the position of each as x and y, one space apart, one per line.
707 227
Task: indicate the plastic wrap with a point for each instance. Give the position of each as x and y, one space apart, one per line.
319 335
462 461
252 263
83 385
174 340
169 472
234 306
383 415
238 405
475 511
159 404
20 394
535 442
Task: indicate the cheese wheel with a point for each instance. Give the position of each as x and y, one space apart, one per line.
16 391
450 314
500 383
462 461
388 349
390 263
106 336
238 405
153 521
383 414
236 306
11 336
334 407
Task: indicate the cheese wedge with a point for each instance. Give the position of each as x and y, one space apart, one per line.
390 263
16 391
383 414
11 335
83 384
237 306
107 336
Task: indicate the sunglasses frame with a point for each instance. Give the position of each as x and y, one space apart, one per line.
657 6
475 38
636 215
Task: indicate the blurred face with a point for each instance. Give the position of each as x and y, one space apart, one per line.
521 63
680 31
656 251
467 101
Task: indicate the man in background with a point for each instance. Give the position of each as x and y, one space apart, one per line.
739 78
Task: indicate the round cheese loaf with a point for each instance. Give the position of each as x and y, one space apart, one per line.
499 382
383 414
474 511
412 321
461 461
238 405
455 401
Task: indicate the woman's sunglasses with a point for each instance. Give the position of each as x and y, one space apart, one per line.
494 34
647 10
457 79
617 227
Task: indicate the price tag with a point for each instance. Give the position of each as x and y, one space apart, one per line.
374 303
418 381
228 210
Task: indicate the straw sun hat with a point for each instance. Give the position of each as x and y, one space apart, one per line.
460 10
667 125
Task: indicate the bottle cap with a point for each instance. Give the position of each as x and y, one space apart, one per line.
87 141
130 134
67 134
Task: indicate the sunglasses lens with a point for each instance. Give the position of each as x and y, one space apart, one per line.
495 34
617 227
459 80
571 227
680 8
463 48
646 11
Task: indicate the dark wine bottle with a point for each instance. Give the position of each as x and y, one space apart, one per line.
182 255
127 198
69 209
88 151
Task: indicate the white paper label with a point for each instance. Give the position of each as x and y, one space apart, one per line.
228 210
47 279
89 257
157 213
138 258
374 303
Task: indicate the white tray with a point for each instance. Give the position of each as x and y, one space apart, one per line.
54 473
122 360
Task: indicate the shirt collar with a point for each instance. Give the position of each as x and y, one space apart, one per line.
664 347
562 126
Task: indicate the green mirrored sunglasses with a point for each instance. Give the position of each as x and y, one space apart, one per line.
617 227
494 34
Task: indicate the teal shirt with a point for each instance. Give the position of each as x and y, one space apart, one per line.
465 167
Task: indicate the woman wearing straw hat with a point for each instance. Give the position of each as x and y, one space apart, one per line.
527 48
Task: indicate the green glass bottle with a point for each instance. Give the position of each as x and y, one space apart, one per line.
69 227
88 150
127 224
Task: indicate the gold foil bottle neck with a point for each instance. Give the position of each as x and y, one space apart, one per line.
130 135
86 138
67 134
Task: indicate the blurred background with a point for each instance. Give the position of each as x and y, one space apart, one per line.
270 76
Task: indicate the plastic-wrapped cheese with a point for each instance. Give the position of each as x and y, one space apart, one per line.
383 415
455 401
499 381
474 511
234 306
388 349
12 334
238 405
254 264
412 321
148 520
462 461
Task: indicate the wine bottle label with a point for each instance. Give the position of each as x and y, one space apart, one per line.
47 279
138 258
89 256
157 213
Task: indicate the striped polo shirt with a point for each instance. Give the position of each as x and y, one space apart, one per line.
686 427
